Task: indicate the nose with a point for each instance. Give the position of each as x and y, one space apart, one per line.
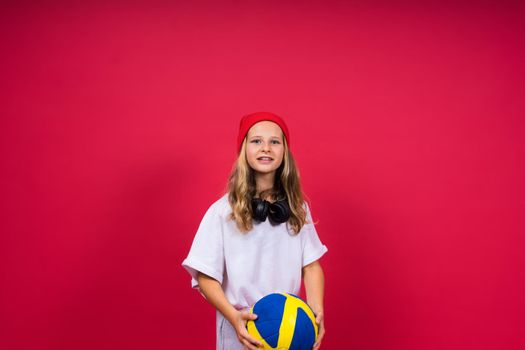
266 146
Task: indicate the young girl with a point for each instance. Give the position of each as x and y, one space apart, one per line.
259 237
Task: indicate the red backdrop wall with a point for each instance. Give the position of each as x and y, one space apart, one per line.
118 126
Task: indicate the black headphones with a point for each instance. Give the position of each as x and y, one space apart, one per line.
278 211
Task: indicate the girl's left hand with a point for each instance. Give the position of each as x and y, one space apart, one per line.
319 319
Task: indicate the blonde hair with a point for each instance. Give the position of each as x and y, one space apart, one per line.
242 189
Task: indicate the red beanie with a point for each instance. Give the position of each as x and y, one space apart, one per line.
249 120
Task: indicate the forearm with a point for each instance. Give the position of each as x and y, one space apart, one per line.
313 277
213 292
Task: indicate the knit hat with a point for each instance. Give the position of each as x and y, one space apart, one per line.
249 120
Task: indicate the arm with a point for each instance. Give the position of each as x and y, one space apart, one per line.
212 291
314 285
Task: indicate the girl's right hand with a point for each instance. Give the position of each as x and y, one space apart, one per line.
239 324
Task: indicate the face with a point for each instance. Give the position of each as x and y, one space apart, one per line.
265 139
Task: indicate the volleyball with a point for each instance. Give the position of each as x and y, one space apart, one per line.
284 322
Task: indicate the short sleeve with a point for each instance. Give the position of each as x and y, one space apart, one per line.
207 252
313 249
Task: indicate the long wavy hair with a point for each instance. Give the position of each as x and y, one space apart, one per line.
242 189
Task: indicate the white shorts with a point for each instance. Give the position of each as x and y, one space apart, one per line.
226 335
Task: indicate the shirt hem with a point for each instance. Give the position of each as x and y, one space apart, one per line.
193 266
315 256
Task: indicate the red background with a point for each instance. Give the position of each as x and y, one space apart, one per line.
118 128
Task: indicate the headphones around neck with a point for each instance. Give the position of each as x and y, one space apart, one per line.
278 211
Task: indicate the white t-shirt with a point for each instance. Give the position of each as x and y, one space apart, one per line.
267 259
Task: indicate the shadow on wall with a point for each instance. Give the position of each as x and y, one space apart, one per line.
362 276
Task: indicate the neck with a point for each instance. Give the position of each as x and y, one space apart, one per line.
264 182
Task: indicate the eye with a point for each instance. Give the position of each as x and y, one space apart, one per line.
254 141
276 142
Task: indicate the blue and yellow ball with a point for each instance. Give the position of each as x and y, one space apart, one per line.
284 321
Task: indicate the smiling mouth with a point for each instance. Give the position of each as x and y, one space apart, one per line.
265 159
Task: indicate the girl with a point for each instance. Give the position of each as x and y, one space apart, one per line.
238 256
